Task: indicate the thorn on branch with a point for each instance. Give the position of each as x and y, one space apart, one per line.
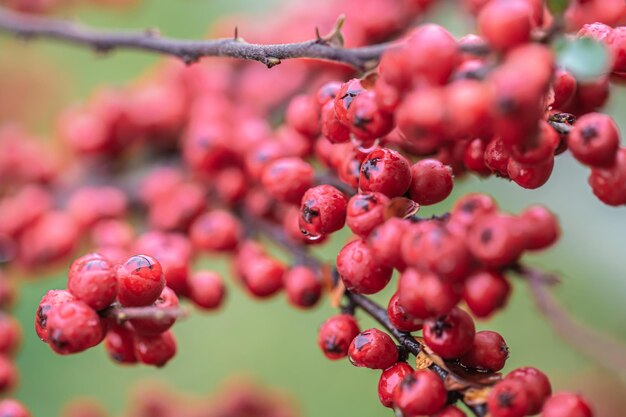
189 59
236 38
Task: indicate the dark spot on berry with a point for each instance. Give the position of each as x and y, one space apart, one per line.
440 326
361 122
331 345
308 213
588 134
363 202
408 381
486 236
369 165
348 98
361 340
507 105
308 298
56 338
42 315
505 399
469 206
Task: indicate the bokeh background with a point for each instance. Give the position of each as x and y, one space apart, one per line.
270 340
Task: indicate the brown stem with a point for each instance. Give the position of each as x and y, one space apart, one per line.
324 48
121 314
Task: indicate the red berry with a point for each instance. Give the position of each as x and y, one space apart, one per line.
497 157
432 54
52 299
303 287
469 104
385 171
72 327
141 281
216 230
327 92
470 207
485 292
450 336
508 398
530 176
92 279
505 23
489 352
538 148
359 270
263 276
323 211
424 295
566 404
332 128
9 376
386 242
303 114
157 325
365 212
13 408
431 182
389 380
119 344
542 227
497 240
367 121
474 157
344 98
287 179
336 334
155 350
373 349
536 384
206 290
420 393
609 184
450 411
400 318
594 139
10 334
564 86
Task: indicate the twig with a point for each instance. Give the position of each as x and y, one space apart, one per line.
324 48
129 313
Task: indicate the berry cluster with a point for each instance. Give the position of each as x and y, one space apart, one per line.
10 340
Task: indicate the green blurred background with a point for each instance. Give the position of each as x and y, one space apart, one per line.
269 340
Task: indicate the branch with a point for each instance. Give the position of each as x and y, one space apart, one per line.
323 48
121 314
607 351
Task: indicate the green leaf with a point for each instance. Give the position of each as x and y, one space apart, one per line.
585 58
557 6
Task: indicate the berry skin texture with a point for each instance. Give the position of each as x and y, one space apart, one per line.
537 386
92 280
359 270
505 23
141 281
431 182
389 380
365 212
303 114
287 179
386 242
302 286
263 277
120 344
73 327
450 336
400 318
594 140
373 349
157 325
508 398
566 404
489 352
530 176
155 350
47 303
216 231
420 393
542 227
206 290
609 184
385 171
13 408
322 211
336 334
485 292
424 295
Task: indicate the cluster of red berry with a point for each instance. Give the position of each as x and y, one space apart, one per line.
10 339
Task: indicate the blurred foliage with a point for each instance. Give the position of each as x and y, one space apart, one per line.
276 343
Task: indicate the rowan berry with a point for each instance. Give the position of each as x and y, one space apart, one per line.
332 128
92 279
287 179
336 334
616 42
73 327
141 281
52 299
508 398
389 380
432 54
450 336
431 182
10 334
400 318
530 176
468 103
505 24
422 116
385 171
157 324
450 411
264 276
566 404
485 292
344 98
541 227
497 157
303 114
474 157
155 350
206 290
327 92
365 212
497 240
119 344
179 210
597 31
489 352
564 87
468 208
88 205
52 237
323 211
367 121
424 295
373 349
420 393
538 148
359 271
609 184
536 384
594 140
385 242
303 287
9 376
112 233
216 230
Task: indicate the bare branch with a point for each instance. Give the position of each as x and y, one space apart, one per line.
121 314
323 48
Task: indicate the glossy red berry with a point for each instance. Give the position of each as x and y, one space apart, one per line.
206 290
216 230
609 184
373 349
344 98
303 114
470 207
13 408
505 23
359 271
420 393
508 398
157 324
73 327
155 350
541 227
400 317
485 292
263 277
566 404
332 128
323 211
385 171
536 384
424 295
530 176
303 287
489 352
450 336
386 243
538 148
365 212
92 279
287 179
141 281
389 380
431 182
432 54
47 303
367 121
497 240
119 343
594 139
474 157
336 334
564 86
497 157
